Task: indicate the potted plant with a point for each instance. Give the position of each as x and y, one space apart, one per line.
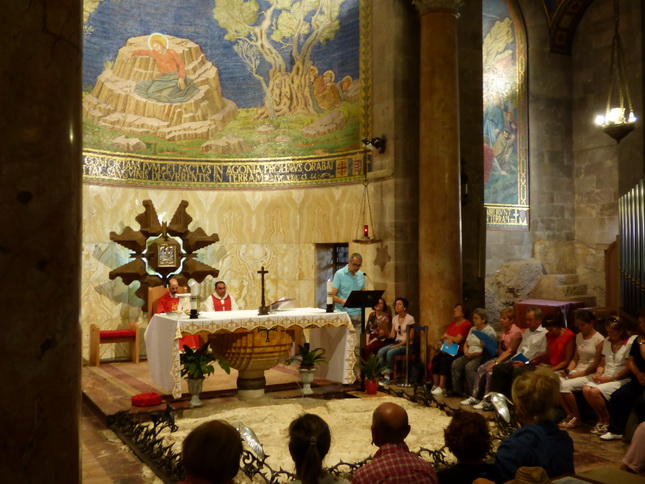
372 368
196 365
308 359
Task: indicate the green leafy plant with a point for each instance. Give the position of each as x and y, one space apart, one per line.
372 368
308 358
197 364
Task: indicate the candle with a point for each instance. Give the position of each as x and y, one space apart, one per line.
366 231
330 299
194 289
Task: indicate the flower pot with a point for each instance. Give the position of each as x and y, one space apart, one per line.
195 388
371 387
306 377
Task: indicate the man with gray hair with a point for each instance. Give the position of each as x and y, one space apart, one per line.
346 280
393 462
534 349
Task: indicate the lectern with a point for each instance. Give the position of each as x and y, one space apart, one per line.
363 299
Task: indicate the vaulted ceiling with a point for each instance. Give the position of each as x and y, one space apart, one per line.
564 17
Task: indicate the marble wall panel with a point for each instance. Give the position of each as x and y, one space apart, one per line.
277 229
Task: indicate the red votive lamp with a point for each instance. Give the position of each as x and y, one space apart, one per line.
366 231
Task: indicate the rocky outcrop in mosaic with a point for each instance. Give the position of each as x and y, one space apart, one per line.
114 103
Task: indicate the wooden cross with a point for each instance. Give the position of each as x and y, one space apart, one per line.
264 309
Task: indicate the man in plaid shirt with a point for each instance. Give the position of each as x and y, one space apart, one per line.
393 462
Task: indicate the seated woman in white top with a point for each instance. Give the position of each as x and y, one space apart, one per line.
400 323
583 365
465 367
612 372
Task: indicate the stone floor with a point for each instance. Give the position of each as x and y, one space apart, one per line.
106 459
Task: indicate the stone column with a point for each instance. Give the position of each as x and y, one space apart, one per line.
439 170
40 196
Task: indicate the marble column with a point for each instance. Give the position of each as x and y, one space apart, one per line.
40 195
440 280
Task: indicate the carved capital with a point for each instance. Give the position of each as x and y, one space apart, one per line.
425 6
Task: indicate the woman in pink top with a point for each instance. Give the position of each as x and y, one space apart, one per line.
508 344
457 332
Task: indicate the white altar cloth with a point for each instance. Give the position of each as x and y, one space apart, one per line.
332 331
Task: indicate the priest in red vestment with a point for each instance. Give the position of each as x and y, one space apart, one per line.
219 300
169 302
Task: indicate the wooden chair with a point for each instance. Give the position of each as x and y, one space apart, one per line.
416 349
155 293
98 337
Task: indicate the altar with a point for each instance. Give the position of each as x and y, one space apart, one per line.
332 331
566 310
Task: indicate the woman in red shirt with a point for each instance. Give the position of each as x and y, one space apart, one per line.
456 332
561 344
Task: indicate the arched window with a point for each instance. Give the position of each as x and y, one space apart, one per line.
506 181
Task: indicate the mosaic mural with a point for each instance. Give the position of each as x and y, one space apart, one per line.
225 93
506 183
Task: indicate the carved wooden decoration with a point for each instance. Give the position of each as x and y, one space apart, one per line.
164 255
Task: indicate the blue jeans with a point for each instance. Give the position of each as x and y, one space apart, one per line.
387 354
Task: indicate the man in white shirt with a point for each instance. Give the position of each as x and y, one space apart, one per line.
219 300
533 346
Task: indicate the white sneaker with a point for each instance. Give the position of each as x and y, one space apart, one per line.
437 391
609 436
487 407
470 401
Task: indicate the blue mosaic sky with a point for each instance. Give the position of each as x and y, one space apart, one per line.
115 21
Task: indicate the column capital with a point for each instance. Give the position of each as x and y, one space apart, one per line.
425 6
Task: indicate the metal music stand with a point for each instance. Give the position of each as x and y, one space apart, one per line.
363 299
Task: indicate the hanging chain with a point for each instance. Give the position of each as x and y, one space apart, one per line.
617 74
365 201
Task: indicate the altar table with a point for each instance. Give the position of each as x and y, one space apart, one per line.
332 331
549 307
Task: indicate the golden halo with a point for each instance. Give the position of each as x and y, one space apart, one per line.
158 37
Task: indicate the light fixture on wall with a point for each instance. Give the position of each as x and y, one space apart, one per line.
619 119
374 143
365 220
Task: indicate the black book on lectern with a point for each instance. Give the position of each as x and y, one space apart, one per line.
363 299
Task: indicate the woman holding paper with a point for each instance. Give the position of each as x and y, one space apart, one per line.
508 343
455 334
474 355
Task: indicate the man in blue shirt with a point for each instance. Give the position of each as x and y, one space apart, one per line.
346 280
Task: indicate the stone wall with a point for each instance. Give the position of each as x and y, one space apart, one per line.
276 229
604 170
395 114
577 172
471 141
550 160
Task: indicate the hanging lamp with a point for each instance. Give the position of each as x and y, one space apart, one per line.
619 119
365 220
